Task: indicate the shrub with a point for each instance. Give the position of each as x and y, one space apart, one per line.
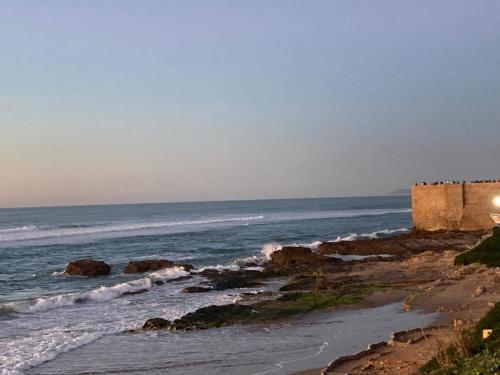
487 252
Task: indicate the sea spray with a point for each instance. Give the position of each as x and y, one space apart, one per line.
101 294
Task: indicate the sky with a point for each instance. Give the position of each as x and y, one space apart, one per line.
152 101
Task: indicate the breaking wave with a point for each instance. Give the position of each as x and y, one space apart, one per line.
102 294
36 233
270 248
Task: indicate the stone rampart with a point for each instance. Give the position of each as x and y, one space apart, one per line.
454 206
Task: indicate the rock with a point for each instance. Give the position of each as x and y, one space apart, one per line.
212 316
87 267
140 291
405 244
232 282
156 324
196 289
208 272
139 266
187 267
290 256
479 290
159 282
250 264
180 278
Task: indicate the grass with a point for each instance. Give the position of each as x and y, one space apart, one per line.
487 252
471 355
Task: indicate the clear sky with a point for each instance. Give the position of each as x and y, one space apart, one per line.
140 101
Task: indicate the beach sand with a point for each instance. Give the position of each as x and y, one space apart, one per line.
462 295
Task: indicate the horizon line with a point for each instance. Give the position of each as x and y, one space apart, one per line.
196 201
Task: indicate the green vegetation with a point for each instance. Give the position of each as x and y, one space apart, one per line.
290 304
487 252
302 302
471 355
302 282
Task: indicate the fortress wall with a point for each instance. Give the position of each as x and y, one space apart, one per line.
454 206
478 205
436 207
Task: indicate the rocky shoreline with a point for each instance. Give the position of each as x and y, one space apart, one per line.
416 269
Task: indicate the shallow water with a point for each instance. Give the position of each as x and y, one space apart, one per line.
44 313
276 349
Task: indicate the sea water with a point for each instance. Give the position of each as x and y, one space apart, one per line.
44 313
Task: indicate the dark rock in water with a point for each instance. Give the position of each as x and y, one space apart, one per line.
405 244
187 267
87 267
209 272
250 264
181 278
212 316
156 324
290 256
140 291
233 281
139 266
196 289
159 282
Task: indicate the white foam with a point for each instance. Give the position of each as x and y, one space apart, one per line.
35 233
18 229
58 333
372 235
357 257
102 294
270 248
220 267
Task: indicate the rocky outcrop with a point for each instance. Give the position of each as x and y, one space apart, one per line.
298 258
404 245
213 316
187 267
140 266
155 324
291 256
87 267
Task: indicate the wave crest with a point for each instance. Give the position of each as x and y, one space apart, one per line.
101 294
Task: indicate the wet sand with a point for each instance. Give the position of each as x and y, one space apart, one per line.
461 294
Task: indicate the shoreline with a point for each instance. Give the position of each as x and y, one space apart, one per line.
413 278
420 275
462 299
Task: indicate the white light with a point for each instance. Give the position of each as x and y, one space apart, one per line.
496 201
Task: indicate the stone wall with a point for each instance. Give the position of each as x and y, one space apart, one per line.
454 206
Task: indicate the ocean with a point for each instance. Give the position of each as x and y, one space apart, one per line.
51 323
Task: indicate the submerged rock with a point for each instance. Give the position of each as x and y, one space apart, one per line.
87 267
154 324
180 278
196 289
140 266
